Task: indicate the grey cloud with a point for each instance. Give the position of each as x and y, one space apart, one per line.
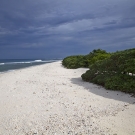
68 26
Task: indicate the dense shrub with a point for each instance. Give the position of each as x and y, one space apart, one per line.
121 82
95 55
113 72
74 62
85 60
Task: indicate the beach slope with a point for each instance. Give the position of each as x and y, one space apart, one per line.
52 100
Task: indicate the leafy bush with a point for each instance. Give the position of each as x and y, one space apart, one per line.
96 55
85 60
113 72
74 62
121 82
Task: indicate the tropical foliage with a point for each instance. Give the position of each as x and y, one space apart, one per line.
116 72
73 62
78 61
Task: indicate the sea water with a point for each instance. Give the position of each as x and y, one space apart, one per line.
12 64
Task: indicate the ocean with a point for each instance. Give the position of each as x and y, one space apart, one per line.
13 64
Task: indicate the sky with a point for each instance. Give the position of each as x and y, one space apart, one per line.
59 28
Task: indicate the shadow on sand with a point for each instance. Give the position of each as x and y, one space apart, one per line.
100 91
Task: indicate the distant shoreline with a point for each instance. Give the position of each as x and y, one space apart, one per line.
11 65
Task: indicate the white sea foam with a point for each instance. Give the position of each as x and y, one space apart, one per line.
28 62
19 62
13 65
45 60
38 60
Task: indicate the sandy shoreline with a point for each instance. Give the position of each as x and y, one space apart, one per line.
49 99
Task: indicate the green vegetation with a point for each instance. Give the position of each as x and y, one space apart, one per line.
113 72
73 62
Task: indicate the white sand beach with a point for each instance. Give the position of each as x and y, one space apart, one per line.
52 100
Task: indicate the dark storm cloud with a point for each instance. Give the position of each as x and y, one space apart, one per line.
65 27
